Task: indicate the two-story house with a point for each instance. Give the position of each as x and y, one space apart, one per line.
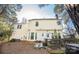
37 29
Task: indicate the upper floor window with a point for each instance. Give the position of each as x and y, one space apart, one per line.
37 24
19 26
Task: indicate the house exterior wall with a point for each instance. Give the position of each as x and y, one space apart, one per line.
19 33
44 24
30 30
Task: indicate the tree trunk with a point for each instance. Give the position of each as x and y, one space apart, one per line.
72 11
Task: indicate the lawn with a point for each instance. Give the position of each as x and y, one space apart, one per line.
56 51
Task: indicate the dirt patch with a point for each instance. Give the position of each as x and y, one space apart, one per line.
25 47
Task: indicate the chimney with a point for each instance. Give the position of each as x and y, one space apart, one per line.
24 20
56 16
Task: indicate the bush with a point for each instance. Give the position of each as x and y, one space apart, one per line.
14 40
1 38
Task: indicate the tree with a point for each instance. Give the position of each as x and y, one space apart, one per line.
73 11
62 11
8 12
8 18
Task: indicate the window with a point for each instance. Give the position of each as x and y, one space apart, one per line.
35 35
29 35
42 34
25 36
37 24
52 35
47 35
59 36
32 35
19 26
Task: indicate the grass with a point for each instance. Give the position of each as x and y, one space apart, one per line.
56 52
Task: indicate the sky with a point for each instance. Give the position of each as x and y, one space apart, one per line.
31 11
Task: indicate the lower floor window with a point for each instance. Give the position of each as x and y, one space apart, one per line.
32 35
47 35
42 34
35 35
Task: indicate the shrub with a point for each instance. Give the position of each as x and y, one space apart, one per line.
12 40
15 40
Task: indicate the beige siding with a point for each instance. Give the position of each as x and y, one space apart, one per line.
44 26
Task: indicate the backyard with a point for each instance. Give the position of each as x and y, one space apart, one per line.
68 34
20 48
26 47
